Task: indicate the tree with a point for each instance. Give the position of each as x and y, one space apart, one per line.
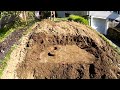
23 16
7 17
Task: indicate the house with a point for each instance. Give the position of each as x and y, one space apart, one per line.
99 20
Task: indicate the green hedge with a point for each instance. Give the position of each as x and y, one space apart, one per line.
78 19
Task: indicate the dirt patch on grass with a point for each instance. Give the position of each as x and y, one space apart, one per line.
67 50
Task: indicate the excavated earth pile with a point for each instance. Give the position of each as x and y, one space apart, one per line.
67 50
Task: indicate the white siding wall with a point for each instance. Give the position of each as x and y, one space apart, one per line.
105 15
101 25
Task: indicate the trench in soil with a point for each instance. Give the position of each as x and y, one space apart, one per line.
64 57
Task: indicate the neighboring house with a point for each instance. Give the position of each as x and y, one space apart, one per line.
99 20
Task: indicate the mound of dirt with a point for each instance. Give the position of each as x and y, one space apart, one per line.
67 50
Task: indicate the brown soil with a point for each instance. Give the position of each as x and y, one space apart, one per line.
67 50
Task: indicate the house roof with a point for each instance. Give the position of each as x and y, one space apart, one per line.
105 15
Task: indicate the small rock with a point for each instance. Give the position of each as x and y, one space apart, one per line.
2 51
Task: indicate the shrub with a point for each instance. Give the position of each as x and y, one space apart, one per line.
77 18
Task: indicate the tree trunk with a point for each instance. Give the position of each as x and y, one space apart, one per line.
0 24
23 16
52 15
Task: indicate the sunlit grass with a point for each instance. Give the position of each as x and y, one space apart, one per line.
61 19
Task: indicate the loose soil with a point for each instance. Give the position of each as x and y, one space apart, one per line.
65 50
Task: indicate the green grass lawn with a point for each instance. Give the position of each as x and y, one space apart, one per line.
3 62
5 33
61 19
7 30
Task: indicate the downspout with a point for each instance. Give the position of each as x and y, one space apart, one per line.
88 13
90 20
107 26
